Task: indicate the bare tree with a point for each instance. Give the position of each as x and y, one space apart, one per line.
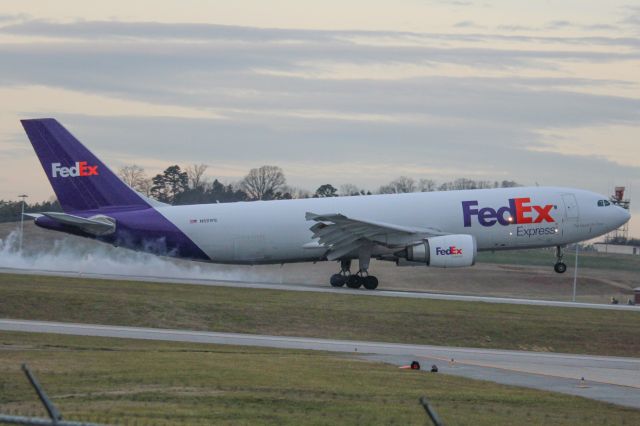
509 184
264 182
400 185
349 189
136 178
196 175
144 187
131 175
296 192
464 183
426 185
484 184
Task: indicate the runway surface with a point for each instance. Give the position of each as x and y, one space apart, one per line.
321 289
610 379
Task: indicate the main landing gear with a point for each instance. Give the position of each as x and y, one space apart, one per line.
560 267
360 279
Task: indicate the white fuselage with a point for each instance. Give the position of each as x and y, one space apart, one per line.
277 231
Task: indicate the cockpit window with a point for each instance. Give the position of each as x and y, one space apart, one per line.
603 203
606 203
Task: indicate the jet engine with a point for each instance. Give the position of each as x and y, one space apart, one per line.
447 251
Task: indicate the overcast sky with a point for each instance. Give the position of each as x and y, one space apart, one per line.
544 92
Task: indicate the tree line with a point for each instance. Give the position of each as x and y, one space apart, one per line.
192 185
10 210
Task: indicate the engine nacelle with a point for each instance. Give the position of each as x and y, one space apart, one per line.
447 251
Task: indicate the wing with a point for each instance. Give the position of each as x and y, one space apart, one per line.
342 235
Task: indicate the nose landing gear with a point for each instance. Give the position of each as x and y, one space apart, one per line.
560 267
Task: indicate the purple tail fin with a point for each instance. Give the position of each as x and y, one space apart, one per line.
80 180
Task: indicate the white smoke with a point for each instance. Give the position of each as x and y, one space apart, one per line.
79 256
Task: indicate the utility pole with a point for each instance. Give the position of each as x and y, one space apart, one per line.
23 196
575 273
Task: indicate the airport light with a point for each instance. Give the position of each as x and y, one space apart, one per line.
575 273
23 196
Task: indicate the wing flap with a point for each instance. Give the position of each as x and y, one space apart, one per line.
342 235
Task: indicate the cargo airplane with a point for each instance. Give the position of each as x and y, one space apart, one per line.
436 229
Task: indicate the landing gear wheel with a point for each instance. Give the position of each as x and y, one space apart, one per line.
560 267
354 281
337 280
370 282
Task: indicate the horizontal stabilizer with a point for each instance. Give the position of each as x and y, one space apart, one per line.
96 225
32 215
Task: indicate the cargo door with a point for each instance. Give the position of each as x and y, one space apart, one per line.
571 216
570 207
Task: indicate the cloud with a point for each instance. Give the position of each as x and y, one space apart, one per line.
14 18
631 16
157 31
286 101
457 2
558 24
467 24
91 30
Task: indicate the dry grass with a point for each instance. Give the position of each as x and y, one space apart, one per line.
121 381
585 331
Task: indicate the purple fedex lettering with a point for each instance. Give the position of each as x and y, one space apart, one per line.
486 216
468 211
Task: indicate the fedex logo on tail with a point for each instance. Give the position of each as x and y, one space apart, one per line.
519 211
80 169
450 251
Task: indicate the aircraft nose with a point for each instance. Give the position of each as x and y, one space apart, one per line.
623 215
627 216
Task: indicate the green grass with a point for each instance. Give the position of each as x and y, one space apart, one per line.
225 309
142 383
546 257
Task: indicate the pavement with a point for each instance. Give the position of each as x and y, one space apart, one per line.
610 379
320 289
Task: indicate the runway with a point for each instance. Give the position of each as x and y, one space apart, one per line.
321 289
610 379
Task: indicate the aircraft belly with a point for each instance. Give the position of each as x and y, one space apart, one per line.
236 240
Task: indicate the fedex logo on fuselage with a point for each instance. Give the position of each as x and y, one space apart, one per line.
450 251
80 169
519 211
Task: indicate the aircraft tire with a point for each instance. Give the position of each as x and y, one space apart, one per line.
337 280
370 282
354 281
560 267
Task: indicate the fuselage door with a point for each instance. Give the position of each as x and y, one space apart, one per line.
570 207
571 213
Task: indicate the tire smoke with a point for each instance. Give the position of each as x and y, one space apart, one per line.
75 255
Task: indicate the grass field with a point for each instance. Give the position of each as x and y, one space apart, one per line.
130 382
584 331
546 257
